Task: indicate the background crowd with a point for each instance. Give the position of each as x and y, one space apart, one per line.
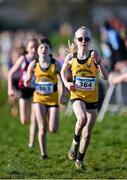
110 39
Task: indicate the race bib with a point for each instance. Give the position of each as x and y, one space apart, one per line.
85 83
44 87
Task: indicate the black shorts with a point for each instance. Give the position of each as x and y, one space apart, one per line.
15 83
92 105
26 93
48 106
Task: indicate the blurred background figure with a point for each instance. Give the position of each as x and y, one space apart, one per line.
112 45
5 48
15 53
25 94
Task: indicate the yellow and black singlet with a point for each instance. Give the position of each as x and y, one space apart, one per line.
84 74
46 84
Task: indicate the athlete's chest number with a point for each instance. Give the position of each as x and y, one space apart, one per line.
44 87
85 83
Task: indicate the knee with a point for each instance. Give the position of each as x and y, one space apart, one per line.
86 135
82 121
53 130
41 131
23 121
33 122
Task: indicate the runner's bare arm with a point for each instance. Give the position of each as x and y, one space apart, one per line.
15 68
30 72
66 65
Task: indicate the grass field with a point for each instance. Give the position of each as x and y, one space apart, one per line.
106 157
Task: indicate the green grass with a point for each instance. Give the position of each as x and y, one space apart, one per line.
106 156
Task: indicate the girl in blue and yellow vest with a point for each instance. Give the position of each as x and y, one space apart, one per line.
45 98
85 65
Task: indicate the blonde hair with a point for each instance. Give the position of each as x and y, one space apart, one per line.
72 47
85 29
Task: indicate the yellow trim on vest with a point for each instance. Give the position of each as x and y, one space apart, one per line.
86 68
49 75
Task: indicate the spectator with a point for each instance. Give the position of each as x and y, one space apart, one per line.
113 45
